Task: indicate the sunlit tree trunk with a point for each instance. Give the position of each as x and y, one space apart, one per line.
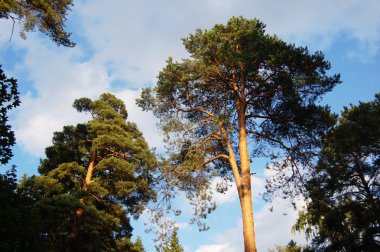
248 222
245 192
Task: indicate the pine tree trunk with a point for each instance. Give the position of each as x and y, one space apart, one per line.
78 216
245 192
248 221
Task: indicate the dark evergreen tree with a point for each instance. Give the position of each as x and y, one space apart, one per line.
343 210
9 212
19 225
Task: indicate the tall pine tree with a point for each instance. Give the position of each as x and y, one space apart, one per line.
240 95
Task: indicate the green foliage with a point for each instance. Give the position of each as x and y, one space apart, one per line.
344 207
239 84
173 245
138 246
46 16
118 188
9 99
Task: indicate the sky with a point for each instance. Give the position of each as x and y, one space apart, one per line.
122 46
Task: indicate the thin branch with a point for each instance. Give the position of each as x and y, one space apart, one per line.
13 28
13 24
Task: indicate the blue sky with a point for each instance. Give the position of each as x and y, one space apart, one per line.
121 47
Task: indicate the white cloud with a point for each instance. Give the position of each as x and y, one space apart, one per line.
215 248
57 81
131 41
135 39
274 227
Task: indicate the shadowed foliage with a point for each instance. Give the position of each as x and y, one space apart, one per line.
9 99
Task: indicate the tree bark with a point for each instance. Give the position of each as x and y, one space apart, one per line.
248 222
245 196
73 235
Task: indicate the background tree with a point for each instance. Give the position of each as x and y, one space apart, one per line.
47 16
94 178
9 99
291 247
242 94
343 213
138 246
174 245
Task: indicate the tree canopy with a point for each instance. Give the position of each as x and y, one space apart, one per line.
47 17
9 99
344 190
241 94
